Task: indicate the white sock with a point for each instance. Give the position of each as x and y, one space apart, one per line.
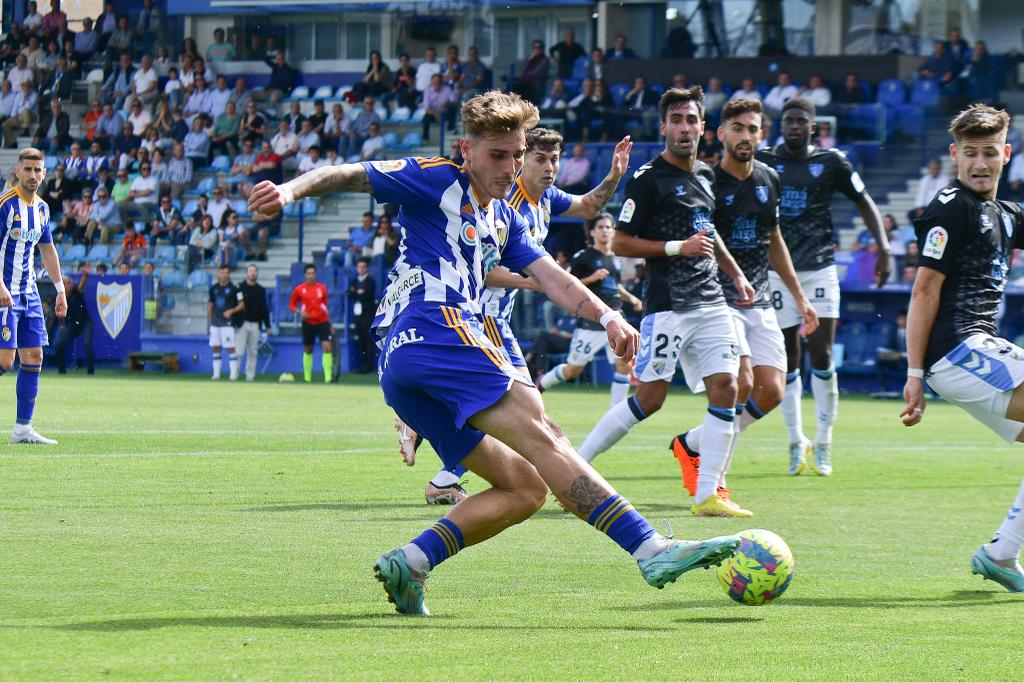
743 421
233 366
553 377
443 478
416 559
615 424
620 388
21 428
715 442
826 402
651 546
693 438
791 408
216 366
1010 537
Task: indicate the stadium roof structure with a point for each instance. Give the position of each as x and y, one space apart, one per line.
290 6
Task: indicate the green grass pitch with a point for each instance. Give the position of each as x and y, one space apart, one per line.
184 529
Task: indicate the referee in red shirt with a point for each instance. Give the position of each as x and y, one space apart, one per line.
310 300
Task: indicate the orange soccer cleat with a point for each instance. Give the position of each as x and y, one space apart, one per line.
689 462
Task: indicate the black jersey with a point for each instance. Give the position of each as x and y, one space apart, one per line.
746 216
971 241
806 191
223 298
587 262
665 203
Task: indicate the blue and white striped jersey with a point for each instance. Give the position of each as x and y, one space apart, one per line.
23 224
498 302
449 240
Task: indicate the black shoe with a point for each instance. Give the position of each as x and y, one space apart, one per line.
61 370
91 370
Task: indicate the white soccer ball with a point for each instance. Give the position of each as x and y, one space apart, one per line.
286 378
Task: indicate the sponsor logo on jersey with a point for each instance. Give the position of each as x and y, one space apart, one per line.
935 243
816 169
467 210
761 191
1007 224
400 289
626 214
392 166
946 195
680 191
792 201
780 167
24 235
469 233
114 303
986 223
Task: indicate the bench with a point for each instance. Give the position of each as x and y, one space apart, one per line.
138 360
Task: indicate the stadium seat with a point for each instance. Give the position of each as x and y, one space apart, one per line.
190 208
241 207
342 91
171 277
98 253
310 206
910 119
165 253
925 92
619 92
198 279
353 158
324 92
401 115
76 253
410 141
205 186
892 92
221 163
299 92
417 116
390 140
95 76
580 67
50 163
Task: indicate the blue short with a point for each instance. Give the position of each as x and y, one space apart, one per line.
437 369
23 325
500 334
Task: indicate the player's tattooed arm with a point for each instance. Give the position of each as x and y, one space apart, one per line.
591 203
565 290
349 177
586 494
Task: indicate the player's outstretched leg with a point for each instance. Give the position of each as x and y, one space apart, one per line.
622 417
999 559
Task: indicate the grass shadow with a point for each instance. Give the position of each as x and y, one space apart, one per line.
953 600
719 620
337 506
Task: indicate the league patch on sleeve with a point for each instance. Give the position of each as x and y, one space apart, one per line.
626 214
391 166
935 243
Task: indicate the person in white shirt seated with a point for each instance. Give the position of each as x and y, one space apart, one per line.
780 94
931 182
143 85
574 172
816 93
747 91
312 161
373 146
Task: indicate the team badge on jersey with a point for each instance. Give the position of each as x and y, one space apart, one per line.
946 195
761 191
935 243
816 169
6 333
729 198
392 166
680 191
114 302
986 223
626 214
501 232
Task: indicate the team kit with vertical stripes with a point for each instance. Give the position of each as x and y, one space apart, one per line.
26 222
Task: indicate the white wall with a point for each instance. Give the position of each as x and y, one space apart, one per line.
1001 25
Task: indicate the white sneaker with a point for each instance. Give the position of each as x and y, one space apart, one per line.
29 436
798 456
408 441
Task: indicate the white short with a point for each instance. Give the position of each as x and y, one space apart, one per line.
223 337
980 376
585 345
759 337
703 341
820 286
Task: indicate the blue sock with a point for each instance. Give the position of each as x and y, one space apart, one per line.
739 408
27 389
726 414
755 411
441 541
792 376
616 518
823 374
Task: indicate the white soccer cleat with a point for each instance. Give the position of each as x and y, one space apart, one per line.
408 441
29 436
798 456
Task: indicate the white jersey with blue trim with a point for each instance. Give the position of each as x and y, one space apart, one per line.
449 239
23 224
496 301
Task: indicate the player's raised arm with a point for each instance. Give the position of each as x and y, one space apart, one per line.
782 264
924 307
571 294
268 199
590 204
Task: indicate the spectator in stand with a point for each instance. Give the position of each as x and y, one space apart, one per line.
977 70
179 171
166 222
221 50
332 158
440 104
54 19
133 247
11 45
57 192
385 242
118 85
268 166
557 99
159 167
311 161
20 73
143 86
451 70
149 26
359 239
852 92
286 145
373 146
75 220
125 143
228 239
105 215
318 118
76 322
202 242
282 79
34 53
596 67
218 206
104 180
359 129
199 68
474 75
179 127
823 136
186 75
1015 177
255 320
121 189
253 125
225 132
574 172
909 272
124 269
254 51
714 97
23 113
335 127
143 195
816 93
294 117
54 131
593 113
139 118
7 99
218 98
455 153
940 65
260 232
426 70
74 165
377 79
45 66
931 182
783 91
33 19
59 82
86 41
403 89
865 242
620 50
747 91
533 76
307 139
362 293
97 161
198 101
957 47
710 148
163 62
197 143
240 95
90 122
120 40
174 94
641 107
566 52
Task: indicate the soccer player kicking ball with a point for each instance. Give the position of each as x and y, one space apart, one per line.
25 222
747 218
446 379
667 219
809 177
967 239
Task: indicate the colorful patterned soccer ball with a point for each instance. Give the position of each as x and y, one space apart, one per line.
761 569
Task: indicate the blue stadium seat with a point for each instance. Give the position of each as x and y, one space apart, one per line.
352 158
299 92
410 141
98 253
925 92
580 67
390 140
342 91
198 279
165 253
76 253
417 116
910 119
324 92
190 208
205 186
310 206
892 92
221 163
49 162
241 207
400 115
619 92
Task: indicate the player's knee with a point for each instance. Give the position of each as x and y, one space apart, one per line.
650 403
6 362
744 383
821 358
529 488
32 356
722 389
570 372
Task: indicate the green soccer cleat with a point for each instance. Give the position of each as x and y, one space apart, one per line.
823 459
405 590
686 555
1007 573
